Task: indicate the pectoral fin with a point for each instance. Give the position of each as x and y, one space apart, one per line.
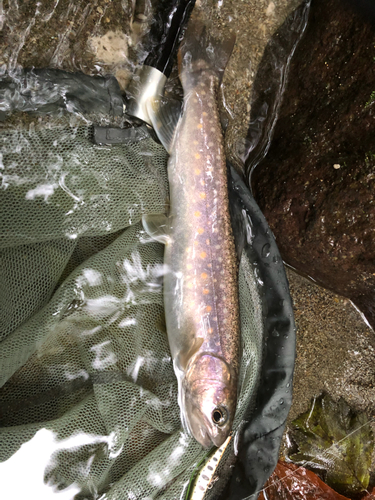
184 356
157 226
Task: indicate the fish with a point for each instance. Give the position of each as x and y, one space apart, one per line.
200 283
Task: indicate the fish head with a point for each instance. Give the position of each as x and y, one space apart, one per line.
209 395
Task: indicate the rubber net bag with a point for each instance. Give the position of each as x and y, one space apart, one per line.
87 383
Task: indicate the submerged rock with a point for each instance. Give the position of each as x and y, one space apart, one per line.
316 185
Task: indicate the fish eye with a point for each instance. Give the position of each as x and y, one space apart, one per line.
220 416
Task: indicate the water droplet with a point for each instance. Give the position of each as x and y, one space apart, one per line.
288 385
281 401
275 333
248 227
72 308
258 278
266 250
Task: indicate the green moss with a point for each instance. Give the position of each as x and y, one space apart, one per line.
336 440
371 100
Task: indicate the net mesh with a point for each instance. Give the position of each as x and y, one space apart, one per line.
83 351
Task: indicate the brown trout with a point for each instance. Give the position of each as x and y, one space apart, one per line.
200 284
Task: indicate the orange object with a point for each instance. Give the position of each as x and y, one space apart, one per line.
291 482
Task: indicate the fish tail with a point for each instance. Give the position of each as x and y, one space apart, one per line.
200 51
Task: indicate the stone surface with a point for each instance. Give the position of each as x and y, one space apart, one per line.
335 351
316 185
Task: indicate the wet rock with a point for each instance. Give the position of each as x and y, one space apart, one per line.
335 353
316 185
335 349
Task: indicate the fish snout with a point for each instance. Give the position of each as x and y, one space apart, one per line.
209 410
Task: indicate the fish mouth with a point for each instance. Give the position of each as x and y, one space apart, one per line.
195 424
218 442
204 439
203 431
208 439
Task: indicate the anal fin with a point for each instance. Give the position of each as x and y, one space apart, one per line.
164 115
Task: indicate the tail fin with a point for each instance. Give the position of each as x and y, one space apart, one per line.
200 51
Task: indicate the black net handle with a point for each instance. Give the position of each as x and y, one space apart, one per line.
166 33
